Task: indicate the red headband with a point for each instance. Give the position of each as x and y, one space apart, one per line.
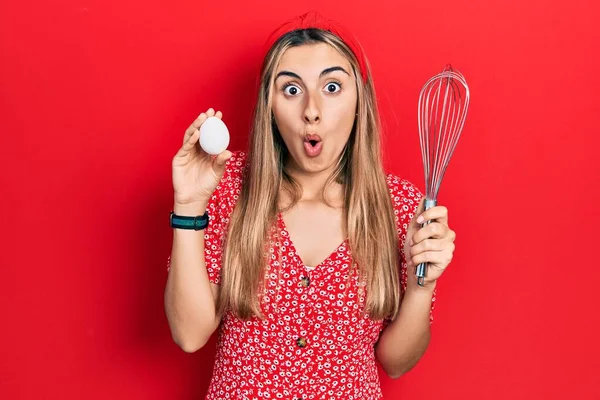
312 19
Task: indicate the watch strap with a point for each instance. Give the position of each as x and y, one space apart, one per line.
196 223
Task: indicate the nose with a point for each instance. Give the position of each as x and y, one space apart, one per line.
312 111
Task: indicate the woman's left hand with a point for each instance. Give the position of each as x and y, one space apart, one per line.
432 243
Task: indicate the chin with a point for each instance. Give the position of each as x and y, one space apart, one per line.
321 163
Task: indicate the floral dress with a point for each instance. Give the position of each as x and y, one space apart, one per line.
313 343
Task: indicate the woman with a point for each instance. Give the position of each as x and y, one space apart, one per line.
298 320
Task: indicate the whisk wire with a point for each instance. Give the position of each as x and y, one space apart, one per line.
442 111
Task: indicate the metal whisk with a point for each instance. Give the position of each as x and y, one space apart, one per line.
443 104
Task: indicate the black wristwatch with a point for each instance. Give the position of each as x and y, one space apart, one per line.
196 223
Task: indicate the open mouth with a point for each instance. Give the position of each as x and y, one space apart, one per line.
313 147
313 144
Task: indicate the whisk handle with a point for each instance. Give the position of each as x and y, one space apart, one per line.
421 270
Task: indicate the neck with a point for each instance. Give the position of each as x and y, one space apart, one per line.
312 184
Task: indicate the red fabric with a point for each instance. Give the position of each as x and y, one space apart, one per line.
313 19
266 359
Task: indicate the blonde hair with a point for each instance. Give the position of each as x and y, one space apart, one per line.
368 210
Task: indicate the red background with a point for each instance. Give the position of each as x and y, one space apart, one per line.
95 97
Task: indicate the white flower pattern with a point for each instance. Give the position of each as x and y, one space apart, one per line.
313 344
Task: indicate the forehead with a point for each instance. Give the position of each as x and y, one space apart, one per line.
312 59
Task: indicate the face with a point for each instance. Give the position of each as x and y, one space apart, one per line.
314 105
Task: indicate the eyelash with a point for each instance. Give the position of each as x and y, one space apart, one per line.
287 85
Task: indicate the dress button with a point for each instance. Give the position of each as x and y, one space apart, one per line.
305 281
301 342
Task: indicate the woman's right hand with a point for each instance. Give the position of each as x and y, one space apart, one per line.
196 173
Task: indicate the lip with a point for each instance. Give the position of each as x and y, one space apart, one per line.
312 136
313 144
313 151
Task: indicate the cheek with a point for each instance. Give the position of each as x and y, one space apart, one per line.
285 124
276 108
279 105
344 116
345 108
284 110
281 116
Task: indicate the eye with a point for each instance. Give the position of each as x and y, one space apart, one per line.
291 90
332 86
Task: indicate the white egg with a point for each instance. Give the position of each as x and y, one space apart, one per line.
214 136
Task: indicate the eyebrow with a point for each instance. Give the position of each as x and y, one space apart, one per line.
323 73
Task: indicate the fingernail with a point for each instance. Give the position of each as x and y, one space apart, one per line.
420 219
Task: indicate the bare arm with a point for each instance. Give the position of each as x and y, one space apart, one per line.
190 297
405 339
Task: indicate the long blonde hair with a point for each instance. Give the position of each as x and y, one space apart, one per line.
368 210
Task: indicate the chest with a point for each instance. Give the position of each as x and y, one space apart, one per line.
314 232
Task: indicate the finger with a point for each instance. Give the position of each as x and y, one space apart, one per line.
431 245
427 257
221 160
433 257
437 213
189 144
418 211
219 114
194 126
202 118
188 132
433 230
